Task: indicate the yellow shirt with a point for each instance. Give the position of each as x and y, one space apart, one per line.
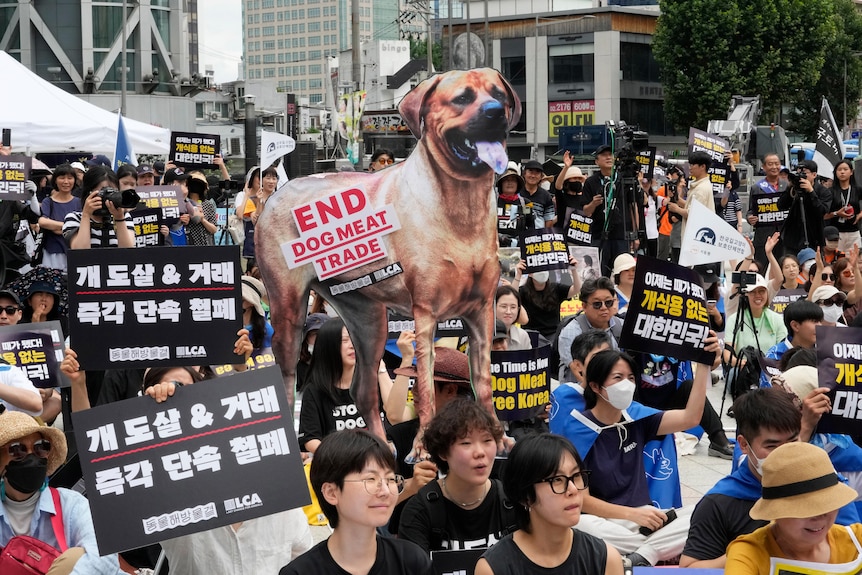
749 554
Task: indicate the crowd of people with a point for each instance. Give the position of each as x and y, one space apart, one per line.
576 493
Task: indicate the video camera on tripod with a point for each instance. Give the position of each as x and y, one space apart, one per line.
628 142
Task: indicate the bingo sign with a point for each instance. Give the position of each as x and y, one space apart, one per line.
669 317
519 382
194 150
14 171
570 113
340 233
213 454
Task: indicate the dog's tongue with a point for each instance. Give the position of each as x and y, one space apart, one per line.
493 154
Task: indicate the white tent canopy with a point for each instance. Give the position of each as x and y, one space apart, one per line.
44 118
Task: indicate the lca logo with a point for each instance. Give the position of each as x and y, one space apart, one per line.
242 503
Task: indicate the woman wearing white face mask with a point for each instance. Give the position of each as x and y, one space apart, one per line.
618 507
831 299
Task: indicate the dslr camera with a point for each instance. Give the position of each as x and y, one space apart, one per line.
127 199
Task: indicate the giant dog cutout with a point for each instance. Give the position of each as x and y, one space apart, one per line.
426 226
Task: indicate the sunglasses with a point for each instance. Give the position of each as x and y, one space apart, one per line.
827 277
387 161
848 273
835 300
18 451
608 303
9 309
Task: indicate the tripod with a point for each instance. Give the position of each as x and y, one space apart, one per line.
744 306
223 236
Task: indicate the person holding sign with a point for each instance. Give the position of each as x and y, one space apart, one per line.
763 213
618 507
801 497
29 454
55 208
353 477
845 207
701 191
546 479
100 223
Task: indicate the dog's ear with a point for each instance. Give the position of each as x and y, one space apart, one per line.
514 102
411 105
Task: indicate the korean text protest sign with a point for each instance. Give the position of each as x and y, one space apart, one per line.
785 297
667 313
579 231
544 249
839 368
700 141
194 150
217 452
14 171
160 306
159 205
647 158
339 233
520 383
36 348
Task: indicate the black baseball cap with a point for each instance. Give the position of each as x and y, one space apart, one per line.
831 233
174 175
602 149
534 165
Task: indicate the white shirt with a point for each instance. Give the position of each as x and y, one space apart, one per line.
262 545
14 376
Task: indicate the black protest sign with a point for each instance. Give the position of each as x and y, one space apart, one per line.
544 249
14 171
765 202
396 323
168 199
719 175
216 453
36 348
646 158
511 217
579 231
520 382
194 150
147 222
258 360
457 562
667 313
700 141
785 297
162 306
839 368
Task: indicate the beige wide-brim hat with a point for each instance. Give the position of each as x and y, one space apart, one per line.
15 425
798 482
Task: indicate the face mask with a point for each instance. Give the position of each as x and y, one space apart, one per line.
621 393
27 475
758 464
832 313
541 277
575 186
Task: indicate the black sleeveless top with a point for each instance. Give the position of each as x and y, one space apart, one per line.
588 555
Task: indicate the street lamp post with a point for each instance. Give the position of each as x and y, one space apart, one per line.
250 134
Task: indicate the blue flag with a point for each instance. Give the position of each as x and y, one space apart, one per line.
123 153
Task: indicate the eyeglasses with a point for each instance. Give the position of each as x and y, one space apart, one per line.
18 450
608 303
9 309
560 483
848 273
373 485
827 277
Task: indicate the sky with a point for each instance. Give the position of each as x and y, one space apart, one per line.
220 37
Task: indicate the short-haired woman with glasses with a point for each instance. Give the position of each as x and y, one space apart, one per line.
353 476
546 480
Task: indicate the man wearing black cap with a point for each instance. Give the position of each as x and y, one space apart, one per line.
146 175
544 214
807 203
610 238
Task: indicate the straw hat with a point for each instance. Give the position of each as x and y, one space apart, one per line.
450 366
801 380
798 482
574 173
15 425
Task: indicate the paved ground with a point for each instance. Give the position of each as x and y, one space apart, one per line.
698 472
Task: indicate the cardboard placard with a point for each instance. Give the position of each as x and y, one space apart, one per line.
216 453
579 230
785 297
839 368
194 150
36 348
14 171
544 249
667 314
162 306
646 158
520 382
700 141
589 264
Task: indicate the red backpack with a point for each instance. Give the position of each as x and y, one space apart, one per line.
25 555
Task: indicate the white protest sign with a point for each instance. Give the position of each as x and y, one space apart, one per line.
708 238
273 146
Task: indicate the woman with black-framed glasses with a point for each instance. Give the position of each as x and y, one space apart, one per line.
546 480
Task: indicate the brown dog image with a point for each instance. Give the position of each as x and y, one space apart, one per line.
445 248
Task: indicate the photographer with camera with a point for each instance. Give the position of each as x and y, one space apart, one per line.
103 220
806 203
667 220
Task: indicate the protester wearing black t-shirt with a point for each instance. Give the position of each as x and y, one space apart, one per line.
541 298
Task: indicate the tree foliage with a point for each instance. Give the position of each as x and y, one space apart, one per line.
419 51
788 52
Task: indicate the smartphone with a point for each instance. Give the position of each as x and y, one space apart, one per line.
7 137
711 302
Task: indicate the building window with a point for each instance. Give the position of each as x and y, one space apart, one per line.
314 82
268 4
648 115
315 98
199 110
570 63
269 72
637 63
268 17
514 69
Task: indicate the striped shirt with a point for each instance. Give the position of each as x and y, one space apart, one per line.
73 221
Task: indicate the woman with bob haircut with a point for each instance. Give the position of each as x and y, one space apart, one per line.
92 227
54 210
801 497
466 505
545 478
353 476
